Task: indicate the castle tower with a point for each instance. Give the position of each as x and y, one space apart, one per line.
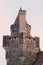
21 48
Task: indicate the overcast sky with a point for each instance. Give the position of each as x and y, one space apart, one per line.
8 12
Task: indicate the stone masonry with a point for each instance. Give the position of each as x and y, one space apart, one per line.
21 47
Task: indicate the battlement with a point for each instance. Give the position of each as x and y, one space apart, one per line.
26 43
21 48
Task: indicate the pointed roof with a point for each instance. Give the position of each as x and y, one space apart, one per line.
17 18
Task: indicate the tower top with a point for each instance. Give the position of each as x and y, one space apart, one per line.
22 11
20 8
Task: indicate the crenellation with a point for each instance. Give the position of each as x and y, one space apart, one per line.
21 48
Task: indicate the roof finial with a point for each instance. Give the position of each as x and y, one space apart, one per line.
20 2
20 8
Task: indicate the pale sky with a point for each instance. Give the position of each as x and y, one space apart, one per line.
8 12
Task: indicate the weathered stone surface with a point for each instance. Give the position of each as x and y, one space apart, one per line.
21 48
16 56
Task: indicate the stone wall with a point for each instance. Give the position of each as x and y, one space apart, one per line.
21 48
18 53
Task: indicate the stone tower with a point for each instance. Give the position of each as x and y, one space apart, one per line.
21 48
